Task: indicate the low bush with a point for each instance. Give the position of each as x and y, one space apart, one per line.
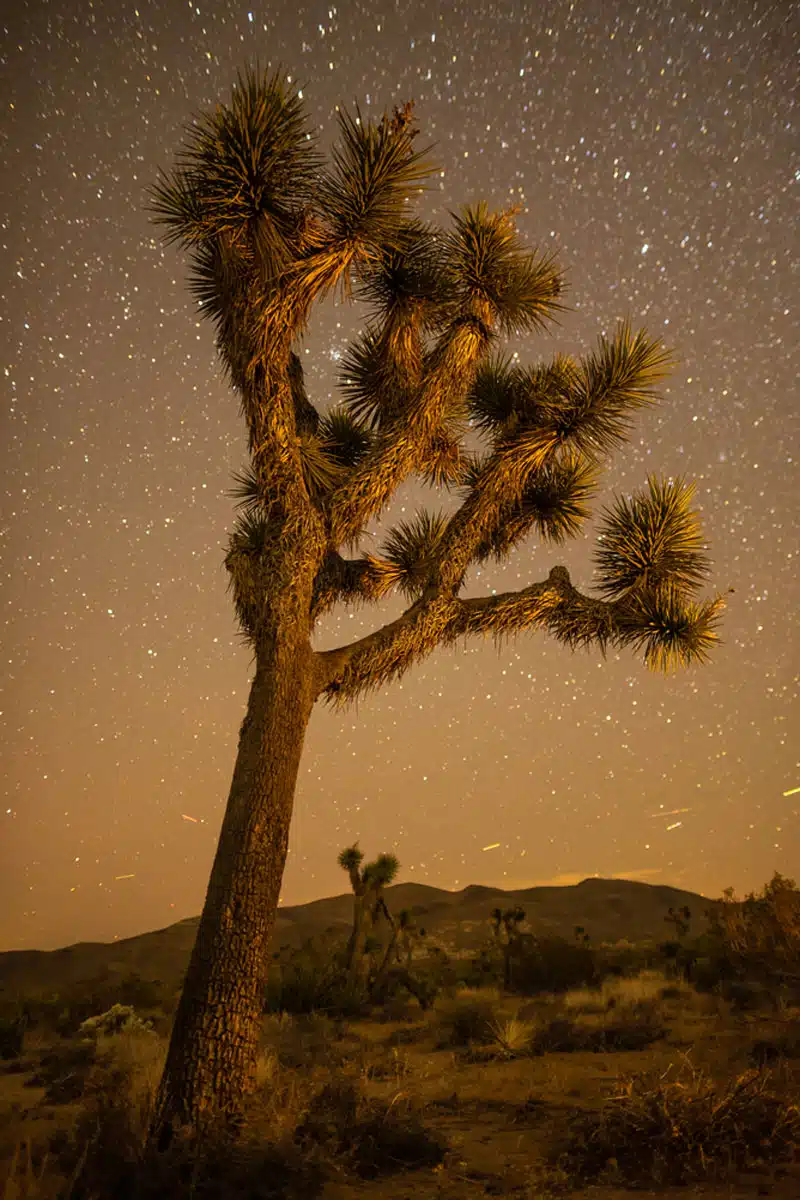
312 979
785 1044
465 1017
550 964
12 1036
632 1032
680 1131
373 1137
118 1019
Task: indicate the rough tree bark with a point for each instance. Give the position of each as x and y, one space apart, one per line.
213 1050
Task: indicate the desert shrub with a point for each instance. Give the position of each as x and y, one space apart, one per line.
119 1018
550 964
752 944
784 1044
104 1147
680 1131
372 1137
12 1036
440 971
63 1071
631 1031
296 1041
312 979
465 1017
623 958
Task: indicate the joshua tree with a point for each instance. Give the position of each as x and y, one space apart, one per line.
270 228
505 925
368 901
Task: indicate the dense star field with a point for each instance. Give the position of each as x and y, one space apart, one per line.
654 147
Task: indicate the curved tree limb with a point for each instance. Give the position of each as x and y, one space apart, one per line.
667 629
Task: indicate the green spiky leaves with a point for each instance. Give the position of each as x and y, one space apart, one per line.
368 380
382 871
351 858
409 552
586 407
494 395
494 278
338 445
671 630
247 168
651 559
554 504
650 540
362 198
406 282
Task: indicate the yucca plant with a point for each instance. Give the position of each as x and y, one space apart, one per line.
270 229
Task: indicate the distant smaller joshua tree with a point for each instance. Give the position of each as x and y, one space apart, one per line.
369 908
506 925
680 919
368 902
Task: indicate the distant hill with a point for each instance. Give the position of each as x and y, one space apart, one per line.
609 910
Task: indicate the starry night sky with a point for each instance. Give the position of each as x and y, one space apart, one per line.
654 146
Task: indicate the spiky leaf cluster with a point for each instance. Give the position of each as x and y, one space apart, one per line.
382 871
650 540
351 858
409 551
407 281
246 171
493 278
669 629
362 196
554 504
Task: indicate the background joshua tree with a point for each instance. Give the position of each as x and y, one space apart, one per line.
368 902
269 229
505 926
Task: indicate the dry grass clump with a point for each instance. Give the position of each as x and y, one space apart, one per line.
297 1041
29 1179
622 992
784 1044
117 1098
512 1038
661 1131
465 1017
613 1031
370 1136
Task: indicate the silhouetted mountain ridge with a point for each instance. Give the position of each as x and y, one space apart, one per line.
608 909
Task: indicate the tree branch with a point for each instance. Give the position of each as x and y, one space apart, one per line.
340 578
402 449
553 604
667 628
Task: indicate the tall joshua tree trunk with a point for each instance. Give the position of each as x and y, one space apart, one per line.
213 1049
